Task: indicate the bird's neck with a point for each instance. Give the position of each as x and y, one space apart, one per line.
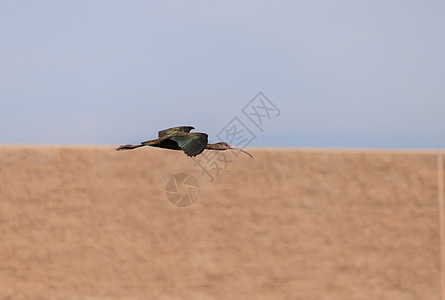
212 146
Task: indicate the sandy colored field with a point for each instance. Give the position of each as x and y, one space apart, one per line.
93 223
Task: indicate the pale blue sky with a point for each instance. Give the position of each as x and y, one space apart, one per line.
361 74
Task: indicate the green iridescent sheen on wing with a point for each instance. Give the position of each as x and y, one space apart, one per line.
191 143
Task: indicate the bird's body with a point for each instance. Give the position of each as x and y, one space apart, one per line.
180 138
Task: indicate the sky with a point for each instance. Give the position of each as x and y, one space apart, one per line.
341 74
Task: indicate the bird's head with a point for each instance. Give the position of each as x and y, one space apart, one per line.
222 146
226 146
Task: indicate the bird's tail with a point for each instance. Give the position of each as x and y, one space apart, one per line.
128 147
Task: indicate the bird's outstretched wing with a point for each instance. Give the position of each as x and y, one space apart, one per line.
191 143
174 130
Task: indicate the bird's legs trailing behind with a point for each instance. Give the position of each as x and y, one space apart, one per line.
128 147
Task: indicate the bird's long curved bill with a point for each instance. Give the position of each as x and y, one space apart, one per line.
242 151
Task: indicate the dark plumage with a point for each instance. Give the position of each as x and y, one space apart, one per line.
180 138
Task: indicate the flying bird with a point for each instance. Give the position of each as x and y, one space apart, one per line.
180 138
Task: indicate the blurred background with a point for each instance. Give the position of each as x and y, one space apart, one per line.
349 74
